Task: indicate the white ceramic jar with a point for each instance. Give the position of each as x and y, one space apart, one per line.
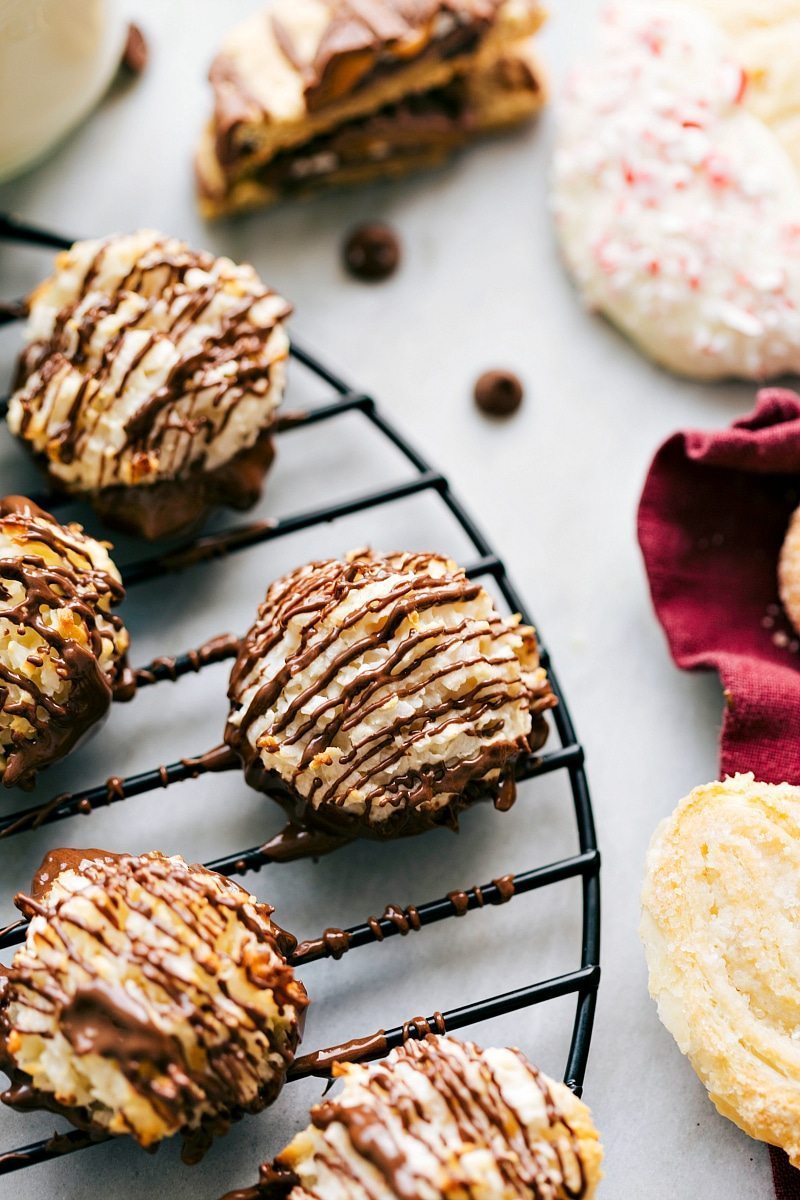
56 59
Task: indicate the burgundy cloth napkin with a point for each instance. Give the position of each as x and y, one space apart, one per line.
712 519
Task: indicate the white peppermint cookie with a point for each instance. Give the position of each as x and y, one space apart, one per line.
677 207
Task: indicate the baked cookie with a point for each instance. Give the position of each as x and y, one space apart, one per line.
380 695
62 648
312 93
721 929
440 1118
676 200
150 998
151 380
766 37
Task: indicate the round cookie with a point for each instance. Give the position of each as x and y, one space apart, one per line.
766 37
441 1118
63 651
380 695
150 998
151 379
677 205
721 929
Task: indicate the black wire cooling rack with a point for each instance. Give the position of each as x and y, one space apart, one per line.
568 756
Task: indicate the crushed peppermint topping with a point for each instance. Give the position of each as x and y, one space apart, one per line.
678 209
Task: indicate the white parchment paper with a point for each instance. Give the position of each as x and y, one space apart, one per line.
556 489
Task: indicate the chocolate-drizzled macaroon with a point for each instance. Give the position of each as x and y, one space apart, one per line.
151 380
440 1118
150 998
382 694
62 649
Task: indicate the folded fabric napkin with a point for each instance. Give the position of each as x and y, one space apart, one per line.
712 519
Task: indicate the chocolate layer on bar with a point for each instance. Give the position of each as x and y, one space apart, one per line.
300 67
418 131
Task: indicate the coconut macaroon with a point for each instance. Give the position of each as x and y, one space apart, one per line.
150 998
382 694
441 1118
151 380
62 649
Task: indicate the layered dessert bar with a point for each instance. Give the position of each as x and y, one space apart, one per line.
315 94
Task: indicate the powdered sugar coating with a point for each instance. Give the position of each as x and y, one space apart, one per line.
678 210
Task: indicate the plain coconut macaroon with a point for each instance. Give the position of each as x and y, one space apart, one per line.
62 648
151 380
150 998
379 695
440 1118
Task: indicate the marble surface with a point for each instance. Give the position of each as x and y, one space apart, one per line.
556 489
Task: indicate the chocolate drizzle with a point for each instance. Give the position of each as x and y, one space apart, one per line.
53 575
419 1027
275 1183
460 902
362 43
322 1062
216 649
375 691
197 1048
217 759
332 944
294 842
463 901
72 384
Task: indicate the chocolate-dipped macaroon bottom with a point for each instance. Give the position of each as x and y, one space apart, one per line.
150 380
335 826
175 507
